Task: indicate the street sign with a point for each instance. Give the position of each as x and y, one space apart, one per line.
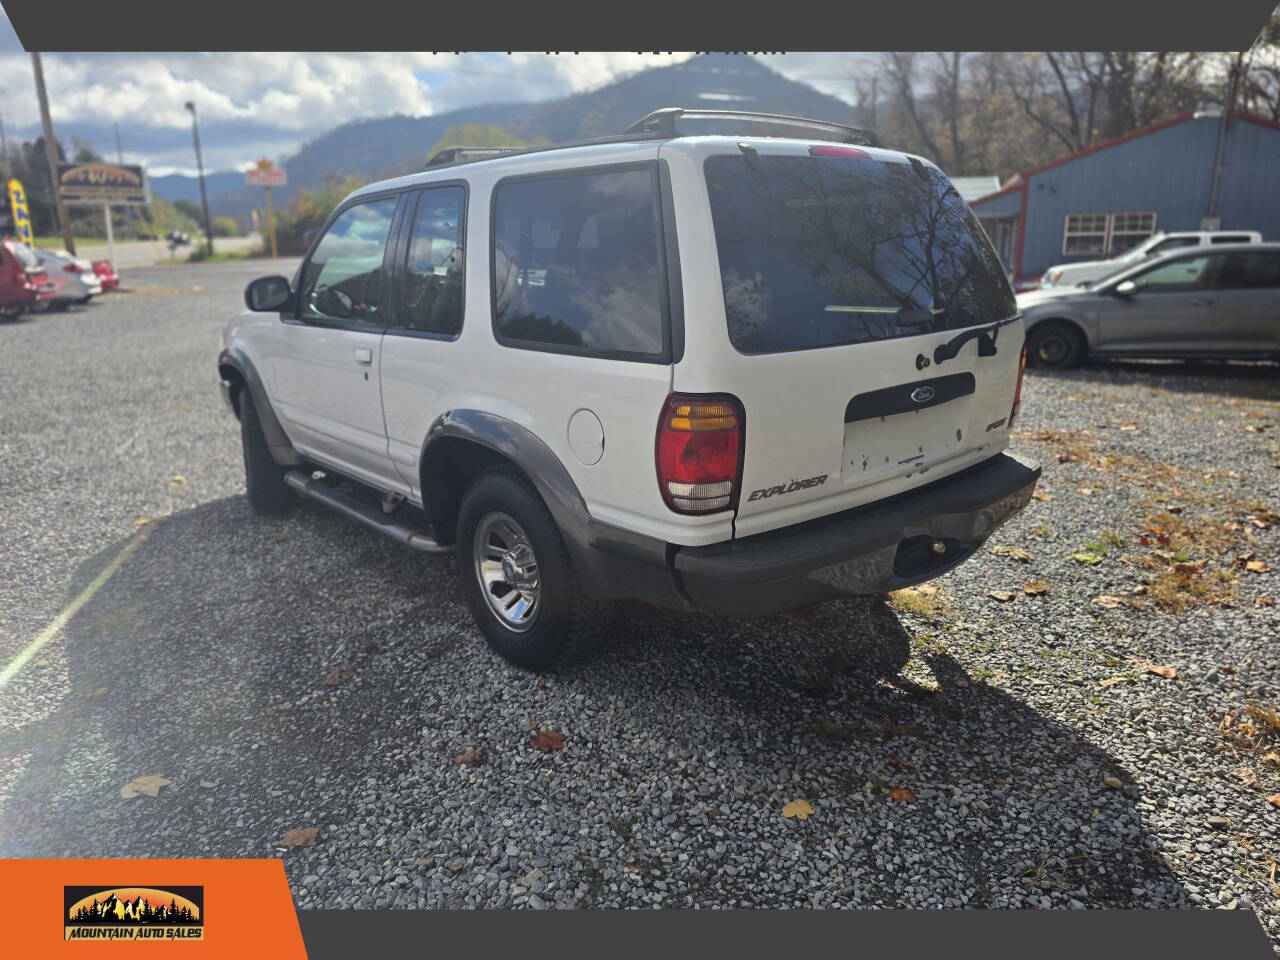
117 184
18 204
268 177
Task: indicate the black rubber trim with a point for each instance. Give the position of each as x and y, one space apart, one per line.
905 397
278 444
800 549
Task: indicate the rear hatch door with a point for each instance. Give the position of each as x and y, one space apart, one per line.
841 272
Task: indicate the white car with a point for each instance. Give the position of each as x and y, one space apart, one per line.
73 278
1158 244
738 374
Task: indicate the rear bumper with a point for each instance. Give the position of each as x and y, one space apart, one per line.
873 549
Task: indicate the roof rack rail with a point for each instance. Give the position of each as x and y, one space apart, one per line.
449 155
663 123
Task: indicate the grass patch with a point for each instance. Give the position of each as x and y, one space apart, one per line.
912 601
1040 530
1113 538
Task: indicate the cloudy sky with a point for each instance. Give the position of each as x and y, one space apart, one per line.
251 104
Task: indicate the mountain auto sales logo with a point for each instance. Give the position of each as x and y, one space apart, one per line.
133 913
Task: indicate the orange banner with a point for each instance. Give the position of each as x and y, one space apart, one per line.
195 908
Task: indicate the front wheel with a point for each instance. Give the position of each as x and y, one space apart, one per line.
1054 344
517 574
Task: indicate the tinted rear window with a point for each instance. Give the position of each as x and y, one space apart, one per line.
821 251
576 264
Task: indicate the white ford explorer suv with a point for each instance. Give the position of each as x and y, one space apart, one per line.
738 374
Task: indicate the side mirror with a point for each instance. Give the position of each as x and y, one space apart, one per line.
1126 289
268 293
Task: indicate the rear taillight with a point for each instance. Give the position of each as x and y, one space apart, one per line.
71 268
19 276
699 452
828 150
1017 392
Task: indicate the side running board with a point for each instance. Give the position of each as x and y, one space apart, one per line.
371 516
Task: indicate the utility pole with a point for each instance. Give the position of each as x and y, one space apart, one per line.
204 197
1222 136
51 154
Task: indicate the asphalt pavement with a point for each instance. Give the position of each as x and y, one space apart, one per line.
1003 742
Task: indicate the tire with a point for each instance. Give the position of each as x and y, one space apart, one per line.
501 515
1055 345
263 477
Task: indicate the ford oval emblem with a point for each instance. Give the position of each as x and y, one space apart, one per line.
923 394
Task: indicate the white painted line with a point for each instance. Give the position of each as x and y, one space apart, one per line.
48 633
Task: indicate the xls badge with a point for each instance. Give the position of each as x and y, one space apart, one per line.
133 913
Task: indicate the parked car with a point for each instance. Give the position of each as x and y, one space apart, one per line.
653 367
106 274
73 277
177 238
1209 301
23 282
1073 274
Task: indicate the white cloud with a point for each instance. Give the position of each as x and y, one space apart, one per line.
255 103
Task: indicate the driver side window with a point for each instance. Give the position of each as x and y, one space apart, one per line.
343 279
1189 273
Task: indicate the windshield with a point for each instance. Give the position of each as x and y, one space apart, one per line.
821 251
1138 252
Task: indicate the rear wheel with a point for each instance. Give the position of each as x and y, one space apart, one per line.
517 575
263 478
1055 344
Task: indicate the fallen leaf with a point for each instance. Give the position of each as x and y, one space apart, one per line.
1274 800
962 683
1257 566
1113 782
339 673
473 756
798 809
1084 556
299 837
150 785
453 867
1111 681
927 589
1004 596
1015 553
1041 495
426 863
1265 602
178 480
142 521
1107 602
369 643
1036 588
547 741
542 683
1186 569
96 694
1086 491
896 761
902 795
1272 757
1162 671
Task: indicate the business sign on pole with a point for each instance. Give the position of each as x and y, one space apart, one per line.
117 184
265 177
18 204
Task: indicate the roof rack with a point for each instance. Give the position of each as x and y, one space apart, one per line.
448 155
663 123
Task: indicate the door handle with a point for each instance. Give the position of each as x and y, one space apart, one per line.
364 355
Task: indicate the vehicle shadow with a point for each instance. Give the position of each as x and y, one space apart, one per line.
1257 381
205 658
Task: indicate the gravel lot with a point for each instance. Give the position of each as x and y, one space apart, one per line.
957 749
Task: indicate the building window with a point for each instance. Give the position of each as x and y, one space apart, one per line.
1129 230
1105 234
1085 234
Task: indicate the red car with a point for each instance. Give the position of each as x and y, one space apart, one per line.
23 282
107 274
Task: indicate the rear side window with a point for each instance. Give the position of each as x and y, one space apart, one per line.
822 251
1230 238
576 264
430 294
1251 271
1189 273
